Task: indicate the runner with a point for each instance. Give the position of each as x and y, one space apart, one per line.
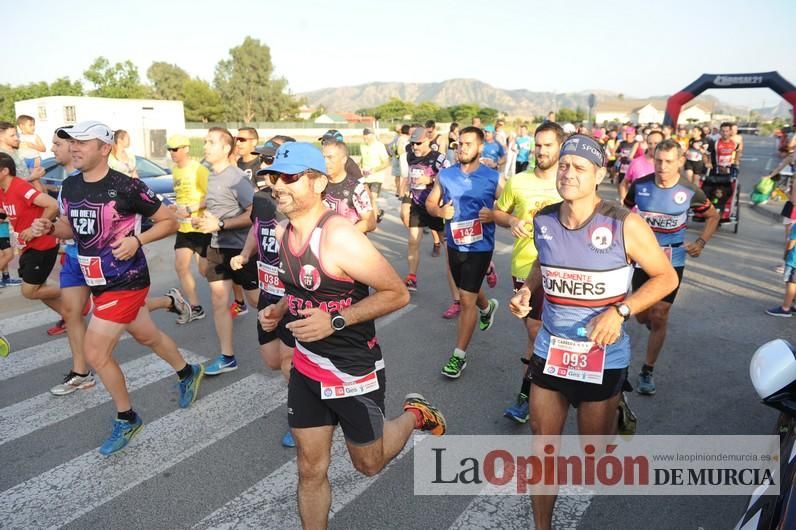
22 203
724 167
424 165
333 135
585 233
375 162
345 194
329 310
641 166
227 217
663 200
611 148
626 152
276 347
464 195
190 189
103 209
523 197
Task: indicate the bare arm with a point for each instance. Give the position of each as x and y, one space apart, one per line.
711 225
367 223
520 304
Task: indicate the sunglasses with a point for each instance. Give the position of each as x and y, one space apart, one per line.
267 159
417 143
284 177
173 149
244 139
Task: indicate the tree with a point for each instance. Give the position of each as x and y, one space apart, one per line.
247 89
464 113
60 87
488 114
566 115
167 80
201 102
118 81
394 109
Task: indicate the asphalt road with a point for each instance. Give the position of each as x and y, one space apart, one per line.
220 464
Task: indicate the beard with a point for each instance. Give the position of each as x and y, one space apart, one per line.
463 159
545 163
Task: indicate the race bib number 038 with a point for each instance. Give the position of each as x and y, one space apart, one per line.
575 359
268 277
92 270
467 232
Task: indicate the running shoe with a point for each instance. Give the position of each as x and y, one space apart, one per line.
179 305
219 366
189 387
433 420
646 384
453 311
379 217
518 412
436 251
779 312
238 310
73 382
5 346
627 418
487 317
287 440
58 329
455 367
11 282
123 432
491 275
411 284
197 313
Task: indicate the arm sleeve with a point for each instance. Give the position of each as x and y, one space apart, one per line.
28 193
144 200
361 200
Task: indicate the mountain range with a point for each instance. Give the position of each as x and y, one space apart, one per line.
518 102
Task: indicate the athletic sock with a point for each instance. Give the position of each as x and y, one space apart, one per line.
461 354
185 372
526 386
228 358
241 303
80 375
411 277
128 416
647 369
418 417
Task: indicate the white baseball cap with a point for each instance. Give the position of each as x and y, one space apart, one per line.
86 130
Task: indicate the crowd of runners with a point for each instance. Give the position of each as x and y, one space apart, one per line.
282 226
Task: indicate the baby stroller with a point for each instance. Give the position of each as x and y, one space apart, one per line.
723 190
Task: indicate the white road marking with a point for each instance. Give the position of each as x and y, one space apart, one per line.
66 492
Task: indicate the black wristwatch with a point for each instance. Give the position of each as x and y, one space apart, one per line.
220 225
623 309
338 321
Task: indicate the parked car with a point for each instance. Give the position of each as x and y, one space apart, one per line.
157 178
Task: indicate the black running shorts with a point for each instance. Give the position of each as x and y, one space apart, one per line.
577 392
281 332
360 417
419 216
468 268
196 241
639 277
36 265
218 268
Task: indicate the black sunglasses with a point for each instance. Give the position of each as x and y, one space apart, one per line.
284 177
244 139
174 149
267 159
416 143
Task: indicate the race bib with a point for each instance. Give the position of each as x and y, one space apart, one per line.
92 270
575 359
361 386
268 277
416 174
467 232
725 160
693 156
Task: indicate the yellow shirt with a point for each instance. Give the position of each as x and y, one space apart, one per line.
373 156
523 196
190 189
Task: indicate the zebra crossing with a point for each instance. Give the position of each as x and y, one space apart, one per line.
84 482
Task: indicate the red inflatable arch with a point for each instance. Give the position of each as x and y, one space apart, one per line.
772 80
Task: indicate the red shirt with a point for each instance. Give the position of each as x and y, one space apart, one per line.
17 201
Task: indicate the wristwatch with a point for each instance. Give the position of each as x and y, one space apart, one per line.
220 225
338 321
623 309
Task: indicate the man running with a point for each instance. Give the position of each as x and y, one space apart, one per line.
228 218
583 241
663 199
345 194
190 189
424 165
523 197
328 268
375 162
464 195
102 210
642 165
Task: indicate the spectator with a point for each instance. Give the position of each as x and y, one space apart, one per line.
120 159
30 145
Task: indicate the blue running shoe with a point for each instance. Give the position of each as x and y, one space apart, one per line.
219 366
189 387
287 440
12 282
123 432
646 384
518 412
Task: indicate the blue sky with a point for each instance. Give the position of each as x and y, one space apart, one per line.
638 48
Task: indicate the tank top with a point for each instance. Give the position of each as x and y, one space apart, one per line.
584 271
469 193
725 153
264 221
345 355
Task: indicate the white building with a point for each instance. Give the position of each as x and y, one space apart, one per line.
148 121
650 111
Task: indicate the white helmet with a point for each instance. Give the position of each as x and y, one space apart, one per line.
773 367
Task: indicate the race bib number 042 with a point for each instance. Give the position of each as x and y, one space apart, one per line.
575 359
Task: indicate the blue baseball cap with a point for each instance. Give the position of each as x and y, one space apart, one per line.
295 157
